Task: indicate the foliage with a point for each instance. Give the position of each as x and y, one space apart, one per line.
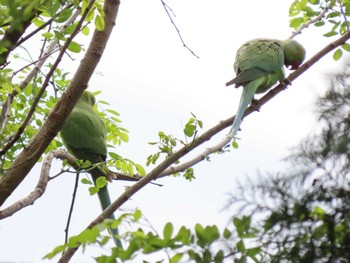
25 101
303 215
298 217
168 144
332 14
201 244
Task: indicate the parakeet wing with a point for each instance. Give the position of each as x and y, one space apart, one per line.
84 133
257 58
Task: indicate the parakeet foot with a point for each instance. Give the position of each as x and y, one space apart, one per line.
255 104
286 83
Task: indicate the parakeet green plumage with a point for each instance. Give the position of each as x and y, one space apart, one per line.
259 65
84 135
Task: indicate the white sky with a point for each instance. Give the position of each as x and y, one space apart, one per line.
154 83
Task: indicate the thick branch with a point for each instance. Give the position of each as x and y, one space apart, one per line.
30 155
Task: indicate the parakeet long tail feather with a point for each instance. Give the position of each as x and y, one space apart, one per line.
105 201
246 97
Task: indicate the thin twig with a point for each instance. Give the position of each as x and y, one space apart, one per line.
167 9
71 207
344 15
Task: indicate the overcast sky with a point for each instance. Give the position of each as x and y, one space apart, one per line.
154 83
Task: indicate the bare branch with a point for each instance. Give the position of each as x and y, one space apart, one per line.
71 207
167 9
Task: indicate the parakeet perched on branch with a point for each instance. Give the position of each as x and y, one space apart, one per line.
84 135
259 65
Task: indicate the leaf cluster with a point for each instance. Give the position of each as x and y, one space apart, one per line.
331 14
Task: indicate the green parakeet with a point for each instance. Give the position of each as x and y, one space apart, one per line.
84 135
259 65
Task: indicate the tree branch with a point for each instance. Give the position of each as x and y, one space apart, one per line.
272 93
163 167
30 155
167 9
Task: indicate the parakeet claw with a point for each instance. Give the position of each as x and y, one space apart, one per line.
286 82
255 104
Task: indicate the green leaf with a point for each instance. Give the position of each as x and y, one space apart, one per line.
296 22
99 23
85 30
252 252
176 258
140 169
330 34
64 15
184 235
74 47
47 35
168 231
137 215
240 246
55 251
113 112
319 23
346 47
93 190
219 257
114 156
38 22
294 8
189 129
337 54
101 182
234 144
227 233
124 137
86 181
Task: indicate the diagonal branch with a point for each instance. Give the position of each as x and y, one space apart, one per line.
163 168
272 93
168 10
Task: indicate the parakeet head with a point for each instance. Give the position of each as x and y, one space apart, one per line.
88 97
294 54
